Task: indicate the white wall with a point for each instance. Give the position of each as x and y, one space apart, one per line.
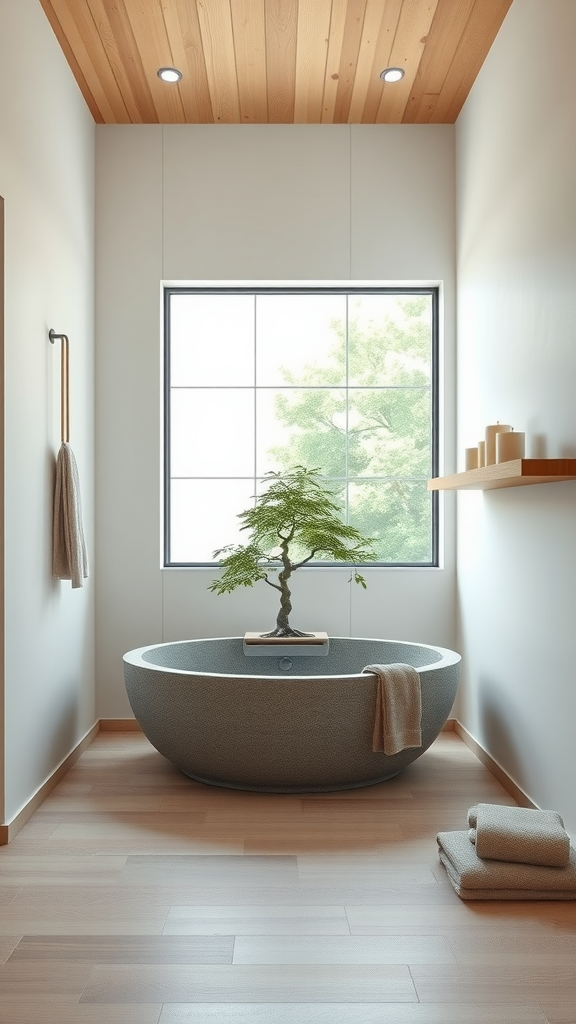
46 177
247 203
516 229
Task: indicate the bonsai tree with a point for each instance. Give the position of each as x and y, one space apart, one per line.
293 521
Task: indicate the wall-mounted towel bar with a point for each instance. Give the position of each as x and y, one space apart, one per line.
64 389
69 556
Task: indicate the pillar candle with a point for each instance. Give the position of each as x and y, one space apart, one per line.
491 431
481 454
510 446
471 458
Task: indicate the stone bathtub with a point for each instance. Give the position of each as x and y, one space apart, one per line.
228 720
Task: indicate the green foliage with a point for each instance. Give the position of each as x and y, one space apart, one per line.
294 521
244 567
372 433
294 510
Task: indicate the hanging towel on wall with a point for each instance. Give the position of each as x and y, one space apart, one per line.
69 558
397 722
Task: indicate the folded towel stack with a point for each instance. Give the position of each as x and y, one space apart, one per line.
510 853
519 834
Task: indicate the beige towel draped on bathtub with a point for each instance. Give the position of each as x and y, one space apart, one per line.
398 716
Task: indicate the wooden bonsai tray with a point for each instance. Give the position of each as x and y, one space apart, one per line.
258 638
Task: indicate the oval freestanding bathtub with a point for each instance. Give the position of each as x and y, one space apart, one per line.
228 720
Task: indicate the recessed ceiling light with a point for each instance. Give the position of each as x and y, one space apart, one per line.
392 74
169 74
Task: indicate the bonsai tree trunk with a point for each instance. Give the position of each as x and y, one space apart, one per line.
283 627
282 624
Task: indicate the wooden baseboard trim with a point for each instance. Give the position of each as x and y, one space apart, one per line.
494 768
119 725
8 831
131 725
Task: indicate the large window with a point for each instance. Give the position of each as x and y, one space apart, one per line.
343 380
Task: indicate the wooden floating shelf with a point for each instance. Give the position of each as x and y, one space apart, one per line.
517 473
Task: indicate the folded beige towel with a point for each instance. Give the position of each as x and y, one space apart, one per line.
520 834
397 722
477 879
69 558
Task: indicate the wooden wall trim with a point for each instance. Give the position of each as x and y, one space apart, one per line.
2 567
494 768
119 725
9 830
131 725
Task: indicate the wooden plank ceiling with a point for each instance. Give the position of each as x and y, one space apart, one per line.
275 61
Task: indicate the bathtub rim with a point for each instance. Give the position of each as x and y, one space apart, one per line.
135 657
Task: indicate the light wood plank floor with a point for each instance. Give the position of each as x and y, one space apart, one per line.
137 896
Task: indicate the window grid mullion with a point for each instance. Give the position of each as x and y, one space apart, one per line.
255 379
347 385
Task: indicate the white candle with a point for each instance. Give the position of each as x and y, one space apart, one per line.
471 458
491 431
510 446
481 454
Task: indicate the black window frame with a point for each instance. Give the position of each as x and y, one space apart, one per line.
432 290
